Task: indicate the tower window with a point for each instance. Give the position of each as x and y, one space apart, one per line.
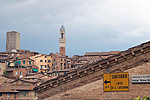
62 35
62 47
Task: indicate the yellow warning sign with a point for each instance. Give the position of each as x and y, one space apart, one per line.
106 82
116 82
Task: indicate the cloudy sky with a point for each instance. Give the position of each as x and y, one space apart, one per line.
91 25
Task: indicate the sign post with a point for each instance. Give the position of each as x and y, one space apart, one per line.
140 78
116 82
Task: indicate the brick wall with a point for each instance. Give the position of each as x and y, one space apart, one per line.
93 72
94 90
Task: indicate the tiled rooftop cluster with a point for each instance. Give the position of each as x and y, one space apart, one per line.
22 70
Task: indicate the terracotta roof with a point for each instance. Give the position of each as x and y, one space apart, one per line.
63 70
34 76
23 59
21 87
100 53
7 90
11 69
3 58
45 79
9 77
58 54
77 64
31 74
32 81
92 53
83 59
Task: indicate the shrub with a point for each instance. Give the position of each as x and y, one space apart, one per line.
5 73
144 98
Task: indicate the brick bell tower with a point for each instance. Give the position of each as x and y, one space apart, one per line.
62 40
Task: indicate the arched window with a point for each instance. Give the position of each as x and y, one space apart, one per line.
62 35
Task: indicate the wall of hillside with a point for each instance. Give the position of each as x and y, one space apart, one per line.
122 64
94 90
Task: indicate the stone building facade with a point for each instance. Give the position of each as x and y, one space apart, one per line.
12 41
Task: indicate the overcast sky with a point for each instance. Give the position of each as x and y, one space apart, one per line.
91 25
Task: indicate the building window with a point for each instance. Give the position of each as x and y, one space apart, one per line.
12 54
8 95
3 56
20 73
62 35
49 60
24 93
0 66
58 74
61 59
0 73
18 54
55 74
61 64
35 93
41 60
41 66
45 60
45 66
71 66
16 73
23 62
68 62
29 62
0 94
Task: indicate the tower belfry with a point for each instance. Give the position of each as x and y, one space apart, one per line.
62 40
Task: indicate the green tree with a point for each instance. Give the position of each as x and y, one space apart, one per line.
5 73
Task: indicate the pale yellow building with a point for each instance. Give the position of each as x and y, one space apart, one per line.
43 62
